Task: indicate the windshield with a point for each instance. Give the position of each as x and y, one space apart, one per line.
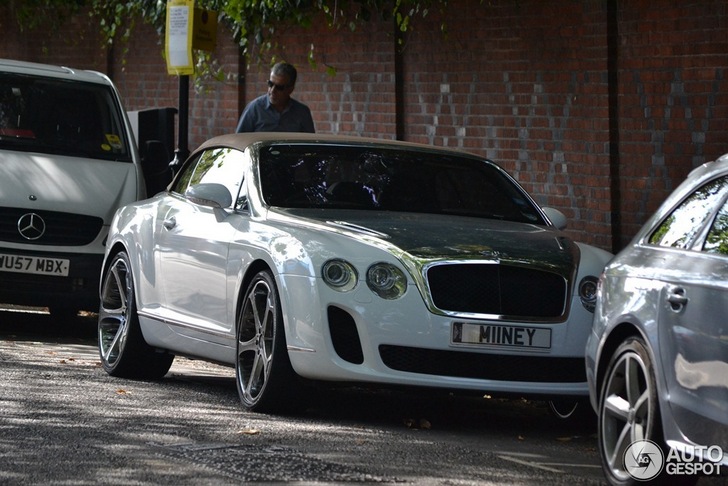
60 117
362 177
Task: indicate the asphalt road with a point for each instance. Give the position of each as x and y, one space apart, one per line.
63 420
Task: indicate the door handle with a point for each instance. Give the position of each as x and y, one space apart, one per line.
677 298
170 223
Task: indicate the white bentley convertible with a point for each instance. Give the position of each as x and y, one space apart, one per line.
310 258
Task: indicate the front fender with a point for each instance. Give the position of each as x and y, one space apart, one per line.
127 234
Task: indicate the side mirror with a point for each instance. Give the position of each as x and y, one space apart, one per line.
556 217
212 195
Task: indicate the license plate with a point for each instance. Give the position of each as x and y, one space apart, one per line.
37 265
496 335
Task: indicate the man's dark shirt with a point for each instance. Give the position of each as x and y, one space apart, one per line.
261 116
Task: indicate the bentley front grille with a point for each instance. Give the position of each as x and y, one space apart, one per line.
490 288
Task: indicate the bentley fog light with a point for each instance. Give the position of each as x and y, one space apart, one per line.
588 292
339 275
386 280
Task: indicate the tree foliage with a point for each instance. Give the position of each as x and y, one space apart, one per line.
252 23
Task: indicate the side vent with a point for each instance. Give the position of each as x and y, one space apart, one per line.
345 336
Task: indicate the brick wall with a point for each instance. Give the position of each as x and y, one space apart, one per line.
673 98
75 44
359 99
599 108
525 84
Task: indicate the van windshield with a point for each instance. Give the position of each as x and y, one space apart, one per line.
61 117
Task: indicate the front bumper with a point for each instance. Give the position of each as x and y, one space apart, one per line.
78 290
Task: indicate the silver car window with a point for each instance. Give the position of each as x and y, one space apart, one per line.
717 239
683 224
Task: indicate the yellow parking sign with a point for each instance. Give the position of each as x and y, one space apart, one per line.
178 38
205 30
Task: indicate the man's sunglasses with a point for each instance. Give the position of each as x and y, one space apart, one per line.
278 87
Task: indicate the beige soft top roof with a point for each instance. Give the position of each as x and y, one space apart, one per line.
241 141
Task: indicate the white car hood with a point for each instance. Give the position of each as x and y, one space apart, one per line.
68 184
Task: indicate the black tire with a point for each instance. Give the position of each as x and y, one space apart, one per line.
64 315
628 409
265 379
122 348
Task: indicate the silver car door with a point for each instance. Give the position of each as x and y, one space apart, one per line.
693 330
693 318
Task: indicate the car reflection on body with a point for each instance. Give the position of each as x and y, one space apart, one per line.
301 259
657 359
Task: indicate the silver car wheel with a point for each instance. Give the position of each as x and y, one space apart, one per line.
122 347
628 407
117 292
256 335
265 378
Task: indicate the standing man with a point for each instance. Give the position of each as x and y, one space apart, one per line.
276 111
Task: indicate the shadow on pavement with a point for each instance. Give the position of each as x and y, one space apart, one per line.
38 325
410 408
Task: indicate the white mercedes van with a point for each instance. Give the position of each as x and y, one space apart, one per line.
68 160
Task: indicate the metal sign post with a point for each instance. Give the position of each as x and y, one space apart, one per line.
187 28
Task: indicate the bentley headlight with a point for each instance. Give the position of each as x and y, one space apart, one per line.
386 280
339 275
588 292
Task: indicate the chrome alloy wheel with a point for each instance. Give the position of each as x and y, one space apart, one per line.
256 339
265 378
628 407
122 347
115 311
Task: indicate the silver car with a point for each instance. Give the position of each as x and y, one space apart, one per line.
657 358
